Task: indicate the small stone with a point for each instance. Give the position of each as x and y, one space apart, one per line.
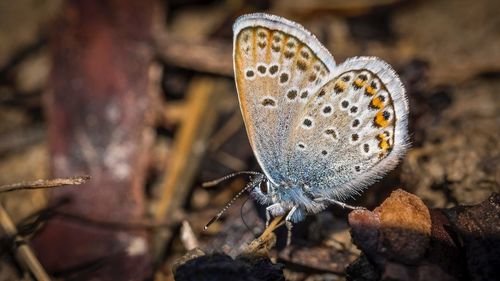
405 226
399 229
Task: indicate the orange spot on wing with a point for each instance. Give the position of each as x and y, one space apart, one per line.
339 87
370 90
359 83
377 103
383 142
380 121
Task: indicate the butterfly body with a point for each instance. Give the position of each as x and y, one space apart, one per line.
321 132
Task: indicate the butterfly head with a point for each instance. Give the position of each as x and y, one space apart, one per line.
259 186
262 189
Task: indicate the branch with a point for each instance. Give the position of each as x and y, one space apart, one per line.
44 183
23 251
212 56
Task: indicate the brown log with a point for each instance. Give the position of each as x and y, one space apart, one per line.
96 112
50 183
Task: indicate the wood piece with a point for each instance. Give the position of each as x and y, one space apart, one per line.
24 253
188 237
231 162
97 112
266 240
229 129
44 183
21 138
210 56
189 146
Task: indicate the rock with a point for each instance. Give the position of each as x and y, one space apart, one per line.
403 240
479 230
399 228
221 267
405 227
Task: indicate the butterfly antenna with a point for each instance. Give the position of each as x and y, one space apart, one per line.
232 175
214 219
241 215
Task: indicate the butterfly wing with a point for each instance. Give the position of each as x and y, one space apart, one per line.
352 131
278 65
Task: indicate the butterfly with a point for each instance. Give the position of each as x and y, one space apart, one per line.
321 131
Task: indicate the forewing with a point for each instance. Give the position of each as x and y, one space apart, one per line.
352 131
278 65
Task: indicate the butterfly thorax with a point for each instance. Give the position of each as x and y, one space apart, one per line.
286 195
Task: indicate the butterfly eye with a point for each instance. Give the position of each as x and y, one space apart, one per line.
264 184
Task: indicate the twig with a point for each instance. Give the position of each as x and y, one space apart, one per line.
21 138
266 241
209 56
190 145
230 161
229 129
24 254
44 183
188 237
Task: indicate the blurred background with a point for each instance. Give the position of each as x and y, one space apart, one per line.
140 96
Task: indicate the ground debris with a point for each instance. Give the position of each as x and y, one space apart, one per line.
221 267
150 87
404 240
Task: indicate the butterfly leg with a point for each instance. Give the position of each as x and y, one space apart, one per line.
272 209
341 204
268 216
289 225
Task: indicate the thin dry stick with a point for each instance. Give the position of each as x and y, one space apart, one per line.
24 254
267 240
44 183
189 146
228 160
208 56
229 129
277 222
188 237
